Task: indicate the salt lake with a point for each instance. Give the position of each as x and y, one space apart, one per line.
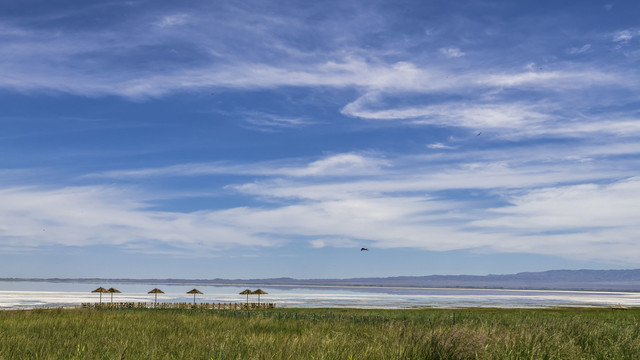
27 295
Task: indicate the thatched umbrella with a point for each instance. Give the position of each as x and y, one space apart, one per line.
194 291
112 290
259 292
156 291
247 292
100 290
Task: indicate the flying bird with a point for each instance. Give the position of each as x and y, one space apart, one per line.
364 249
478 134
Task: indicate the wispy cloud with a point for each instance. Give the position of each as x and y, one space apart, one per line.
554 80
85 216
511 115
545 221
346 164
173 20
99 62
540 221
270 122
341 165
623 36
438 146
579 50
541 200
554 172
451 52
598 219
468 176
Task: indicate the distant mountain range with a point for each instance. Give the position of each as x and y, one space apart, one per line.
614 280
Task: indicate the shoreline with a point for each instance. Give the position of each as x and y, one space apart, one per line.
25 295
325 309
312 286
148 306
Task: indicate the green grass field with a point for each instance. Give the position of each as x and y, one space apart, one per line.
321 334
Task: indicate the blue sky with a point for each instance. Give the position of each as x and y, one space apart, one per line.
254 139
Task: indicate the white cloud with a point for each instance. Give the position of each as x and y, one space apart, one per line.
440 146
358 73
84 216
387 221
582 207
623 127
172 20
508 115
589 220
451 52
623 39
552 80
82 63
334 201
266 121
345 164
421 176
509 119
579 50
551 221
334 242
556 201
340 165
98 216
623 36
346 175
172 170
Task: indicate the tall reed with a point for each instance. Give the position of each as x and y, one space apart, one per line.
320 334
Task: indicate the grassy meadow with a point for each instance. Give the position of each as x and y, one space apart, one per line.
320 334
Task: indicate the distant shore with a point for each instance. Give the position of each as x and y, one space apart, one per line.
567 280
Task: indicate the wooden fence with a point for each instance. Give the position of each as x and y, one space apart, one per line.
177 305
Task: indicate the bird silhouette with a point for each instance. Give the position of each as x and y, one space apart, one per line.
364 249
478 134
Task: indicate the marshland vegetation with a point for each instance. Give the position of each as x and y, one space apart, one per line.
568 333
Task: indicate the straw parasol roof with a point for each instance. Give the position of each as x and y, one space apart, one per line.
156 291
246 292
112 291
259 292
100 290
194 291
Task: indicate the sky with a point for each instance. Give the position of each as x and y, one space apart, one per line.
253 139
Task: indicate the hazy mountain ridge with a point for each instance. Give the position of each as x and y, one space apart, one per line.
622 280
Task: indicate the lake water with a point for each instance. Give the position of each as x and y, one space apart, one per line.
21 295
